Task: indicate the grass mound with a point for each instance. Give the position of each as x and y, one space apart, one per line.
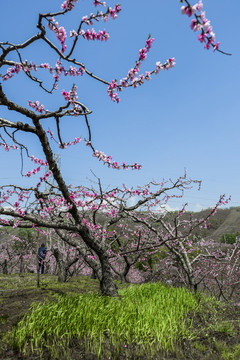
148 318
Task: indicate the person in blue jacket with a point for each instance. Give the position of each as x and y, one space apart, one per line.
41 257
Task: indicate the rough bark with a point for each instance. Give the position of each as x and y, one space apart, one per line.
61 267
4 266
107 285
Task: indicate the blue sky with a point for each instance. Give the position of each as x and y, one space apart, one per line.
187 117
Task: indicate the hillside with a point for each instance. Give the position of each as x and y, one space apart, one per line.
225 221
230 223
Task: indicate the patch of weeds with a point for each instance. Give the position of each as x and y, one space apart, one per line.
199 346
236 352
233 354
226 352
44 284
220 346
17 281
4 319
225 328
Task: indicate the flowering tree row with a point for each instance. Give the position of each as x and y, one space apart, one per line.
74 214
19 254
131 234
143 241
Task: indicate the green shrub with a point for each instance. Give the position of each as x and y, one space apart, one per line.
229 238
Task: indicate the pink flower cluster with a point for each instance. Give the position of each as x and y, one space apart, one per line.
77 140
68 4
142 56
92 35
72 97
6 147
69 143
59 31
201 23
37 107
133 80
34 171
98 2
111 12
57 71
223 200
4 197
27 67
44 178
36 161
98 154
131 74
60 69
11 71
107 160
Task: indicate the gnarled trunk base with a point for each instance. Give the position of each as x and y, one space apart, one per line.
107 284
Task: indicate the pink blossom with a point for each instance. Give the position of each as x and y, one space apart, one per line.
142 54
200 6
66 95
202 37
216 46
68 4
183 10
190 11
45 66
170 63
159 67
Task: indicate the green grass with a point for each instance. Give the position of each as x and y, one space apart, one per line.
150 322
148 318
228 354
225 328
26 281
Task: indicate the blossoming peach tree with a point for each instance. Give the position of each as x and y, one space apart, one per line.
82 217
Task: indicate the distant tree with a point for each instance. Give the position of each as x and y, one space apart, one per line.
17 254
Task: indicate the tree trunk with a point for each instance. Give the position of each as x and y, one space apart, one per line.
107 285
192 282
93 275
61 267
123 276
62 272
5 269
21 264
